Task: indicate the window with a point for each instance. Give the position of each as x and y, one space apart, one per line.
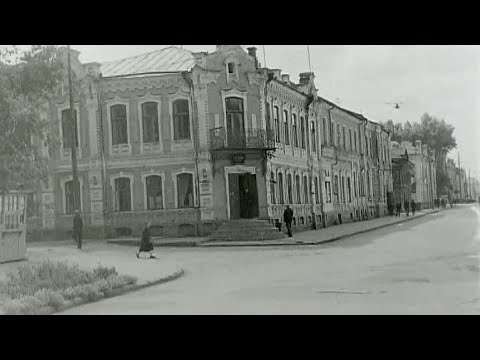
294 130
331 128
349 186
277 123
290 189
67 129
344 138
285 124
154 192
119 124
339 139
344 198
151 132
302 130
335 188
297 187
123 199
328 192
305 190
273 200
355 184
280 188
355 140
185 191
317 195
314 142
325 132
351 140
181 120
366 145
70 197
231 68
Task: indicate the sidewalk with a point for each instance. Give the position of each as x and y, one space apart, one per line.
332 233
94 253
158 241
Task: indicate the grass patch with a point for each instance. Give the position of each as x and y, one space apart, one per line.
49 283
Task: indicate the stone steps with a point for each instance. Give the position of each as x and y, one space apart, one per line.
246 230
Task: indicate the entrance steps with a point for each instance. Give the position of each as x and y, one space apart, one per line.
247 230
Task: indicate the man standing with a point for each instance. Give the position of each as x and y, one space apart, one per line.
287 217
413 206
406 206
78 228
399 209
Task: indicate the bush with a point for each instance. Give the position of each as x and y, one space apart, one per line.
49 283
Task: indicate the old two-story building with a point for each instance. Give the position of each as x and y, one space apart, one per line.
403 171
188 141
424 189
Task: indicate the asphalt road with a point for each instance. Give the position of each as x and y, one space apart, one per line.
425 266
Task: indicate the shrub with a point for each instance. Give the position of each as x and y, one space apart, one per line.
104 272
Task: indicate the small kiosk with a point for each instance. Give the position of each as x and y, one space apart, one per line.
13 206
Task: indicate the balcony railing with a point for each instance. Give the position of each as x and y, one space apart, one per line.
250 139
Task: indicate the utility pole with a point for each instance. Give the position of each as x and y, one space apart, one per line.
73 142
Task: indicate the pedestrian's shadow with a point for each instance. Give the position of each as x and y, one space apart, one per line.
371 236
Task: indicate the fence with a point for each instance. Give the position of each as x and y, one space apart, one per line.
12 226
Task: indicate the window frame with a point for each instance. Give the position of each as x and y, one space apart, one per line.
146 175
172 119
174 180
143 144
115 150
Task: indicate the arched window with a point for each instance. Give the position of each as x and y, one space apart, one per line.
317 191
71 196
305 190
290 189
314 140
273 199
294 130
276 121
335 188
297 187
325 132
349 186
119 124
235 121
123 199
351 139
151 132
285 124
68 127
185 191
181 120
302 131
280 188
154 192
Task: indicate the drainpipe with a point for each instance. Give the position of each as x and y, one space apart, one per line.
102 150
310 100
188 79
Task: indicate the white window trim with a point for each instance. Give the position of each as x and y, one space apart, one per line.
175 186
305 201
297 121
112 184
280 171
238 94
144 100
180 144
76 106
63 180
145 194
109 105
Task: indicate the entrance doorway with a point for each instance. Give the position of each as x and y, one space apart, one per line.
243 196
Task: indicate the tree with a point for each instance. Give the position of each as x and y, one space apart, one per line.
27 81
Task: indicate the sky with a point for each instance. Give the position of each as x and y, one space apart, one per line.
442 80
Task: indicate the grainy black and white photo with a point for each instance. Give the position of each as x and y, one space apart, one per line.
239 180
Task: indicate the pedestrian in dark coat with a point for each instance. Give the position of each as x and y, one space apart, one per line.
146 246
288 217
407 207
399 209
78 228
413 206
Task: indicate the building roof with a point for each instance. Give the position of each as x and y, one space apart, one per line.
167 60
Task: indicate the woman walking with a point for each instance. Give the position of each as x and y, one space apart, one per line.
146 246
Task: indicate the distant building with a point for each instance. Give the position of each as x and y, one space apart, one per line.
403 171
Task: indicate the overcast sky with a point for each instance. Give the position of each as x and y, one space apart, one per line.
441 80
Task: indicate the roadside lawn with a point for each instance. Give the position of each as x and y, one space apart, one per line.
47 286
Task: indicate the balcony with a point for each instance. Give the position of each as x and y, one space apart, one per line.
251 139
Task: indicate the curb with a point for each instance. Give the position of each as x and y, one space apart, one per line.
48 310
300 243
136 243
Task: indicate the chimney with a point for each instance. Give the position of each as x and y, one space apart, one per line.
306 77
286 79
276 74
252 51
